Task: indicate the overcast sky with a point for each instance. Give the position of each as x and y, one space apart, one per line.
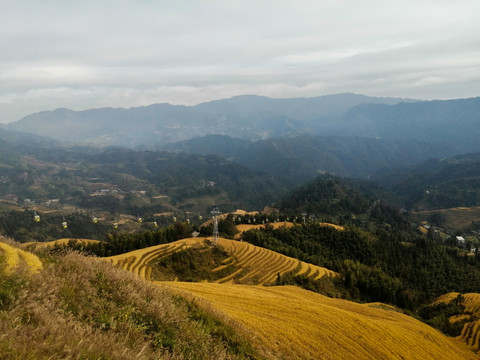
85 54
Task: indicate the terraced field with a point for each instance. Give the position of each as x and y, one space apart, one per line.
471 330
15 258
35 245
261 266
292 323
140 261
253 265
245 227
454 218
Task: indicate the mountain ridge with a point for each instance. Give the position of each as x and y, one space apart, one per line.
162 123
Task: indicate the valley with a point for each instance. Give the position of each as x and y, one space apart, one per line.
239 180
346 247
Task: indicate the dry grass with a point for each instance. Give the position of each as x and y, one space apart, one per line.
84 308
254 265
297 324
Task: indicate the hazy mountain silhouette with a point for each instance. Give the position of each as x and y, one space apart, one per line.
250 117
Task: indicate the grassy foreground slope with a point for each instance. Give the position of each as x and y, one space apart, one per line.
250 264
297 324
80 307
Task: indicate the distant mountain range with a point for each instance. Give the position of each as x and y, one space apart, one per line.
452 122
248 117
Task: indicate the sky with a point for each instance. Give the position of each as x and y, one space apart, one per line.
117 53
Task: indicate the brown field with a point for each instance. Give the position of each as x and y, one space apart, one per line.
16 258
35 245
254 265
456 218
471 330
293 323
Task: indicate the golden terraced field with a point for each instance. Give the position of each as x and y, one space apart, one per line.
15 258
471 330
245 227
253 265
286 322
35 245
293 323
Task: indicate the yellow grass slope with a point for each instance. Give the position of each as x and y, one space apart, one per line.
15 258
253 265
297 324
471 330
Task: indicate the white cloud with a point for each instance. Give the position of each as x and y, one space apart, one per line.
128 53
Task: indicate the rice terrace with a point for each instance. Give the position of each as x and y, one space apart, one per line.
249 264
280 321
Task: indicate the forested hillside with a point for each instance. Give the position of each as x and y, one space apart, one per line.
301 158
343 200
41 170
436 184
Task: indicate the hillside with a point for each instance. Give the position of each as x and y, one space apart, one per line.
297 324
84 308
344 200
63 183
464 319
436 184
249 117
301 158
65 242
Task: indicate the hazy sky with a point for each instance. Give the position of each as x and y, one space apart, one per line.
84 54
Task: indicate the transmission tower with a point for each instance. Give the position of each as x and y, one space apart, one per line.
215 212
304 215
